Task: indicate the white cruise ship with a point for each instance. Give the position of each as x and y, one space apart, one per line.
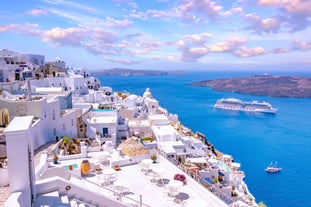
239 105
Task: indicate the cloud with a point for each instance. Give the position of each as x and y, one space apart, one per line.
292 7
193 54
227 46
118 23
298 11
193 46
127 2
267 25
203 7
37 12
71 5
123 61
91 21
244 52
279 50
7 28
197 38
60 37
26 29
300 45
102 35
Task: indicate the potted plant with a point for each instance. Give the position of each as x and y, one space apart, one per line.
180 177
55 159
154 158
85 167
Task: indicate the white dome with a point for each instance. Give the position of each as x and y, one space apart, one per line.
147 93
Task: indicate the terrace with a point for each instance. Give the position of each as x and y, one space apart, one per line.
134 182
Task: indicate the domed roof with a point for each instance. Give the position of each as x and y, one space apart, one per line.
147 93
133 147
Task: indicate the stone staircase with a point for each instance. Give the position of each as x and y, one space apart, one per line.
54 199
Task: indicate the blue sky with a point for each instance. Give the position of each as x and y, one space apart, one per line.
161 34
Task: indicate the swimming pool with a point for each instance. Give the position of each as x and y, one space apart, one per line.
224 166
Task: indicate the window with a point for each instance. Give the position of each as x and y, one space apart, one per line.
54 131
64 127
53 115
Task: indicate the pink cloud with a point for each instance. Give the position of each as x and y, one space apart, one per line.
203 7
293 7
103 35
37 12
192 54
249 52
227 46
300 45
59 36
197 38
267 25
298 11
7 27
279 50
118 23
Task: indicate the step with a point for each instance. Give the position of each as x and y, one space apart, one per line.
74 203
64 201
50 199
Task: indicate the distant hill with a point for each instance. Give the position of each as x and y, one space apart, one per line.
263 85
128 72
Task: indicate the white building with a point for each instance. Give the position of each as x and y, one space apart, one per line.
49 119
102 123
14 66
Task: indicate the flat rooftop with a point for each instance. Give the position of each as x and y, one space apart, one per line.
152 189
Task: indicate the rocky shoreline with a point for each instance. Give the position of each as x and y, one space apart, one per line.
262 85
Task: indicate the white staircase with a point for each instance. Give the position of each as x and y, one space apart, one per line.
54 199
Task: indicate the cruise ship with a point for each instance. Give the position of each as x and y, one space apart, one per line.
68 141
239 105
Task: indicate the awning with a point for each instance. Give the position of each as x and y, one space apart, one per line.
197 160
212 160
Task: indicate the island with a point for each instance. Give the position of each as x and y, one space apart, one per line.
263 85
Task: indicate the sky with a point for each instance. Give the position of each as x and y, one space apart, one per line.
161 34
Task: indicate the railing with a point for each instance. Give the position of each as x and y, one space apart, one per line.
227 199
224 197
139 203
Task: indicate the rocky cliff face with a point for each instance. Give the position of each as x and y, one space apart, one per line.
264 85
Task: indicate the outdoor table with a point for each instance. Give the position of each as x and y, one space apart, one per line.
146 164
119 187
108 174
173 186
157 170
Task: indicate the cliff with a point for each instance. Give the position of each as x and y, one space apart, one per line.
263 85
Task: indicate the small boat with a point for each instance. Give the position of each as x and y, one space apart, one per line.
272 168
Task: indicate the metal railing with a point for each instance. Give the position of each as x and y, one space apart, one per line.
138 203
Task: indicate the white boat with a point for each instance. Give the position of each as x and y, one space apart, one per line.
272 168
239 105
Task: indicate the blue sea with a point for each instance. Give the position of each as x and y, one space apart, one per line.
254 140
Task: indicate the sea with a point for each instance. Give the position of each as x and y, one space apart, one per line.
253 139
